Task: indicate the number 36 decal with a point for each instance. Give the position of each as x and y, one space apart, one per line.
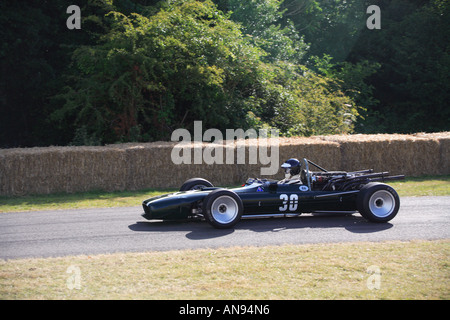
289 202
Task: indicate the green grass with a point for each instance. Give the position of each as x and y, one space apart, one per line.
408 270
93 199
405 270
423 186
415 186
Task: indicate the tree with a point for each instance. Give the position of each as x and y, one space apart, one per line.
156 73
35 56
152 74
138 69
413 81
262 20
331 27
300 102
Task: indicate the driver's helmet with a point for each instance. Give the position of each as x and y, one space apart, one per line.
291 168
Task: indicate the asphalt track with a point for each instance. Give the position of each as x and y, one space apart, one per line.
108 230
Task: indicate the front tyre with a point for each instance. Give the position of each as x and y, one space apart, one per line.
222 208
195 184
378 202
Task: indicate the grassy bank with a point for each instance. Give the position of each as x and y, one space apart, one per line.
93 199
423 186
415 186
390 270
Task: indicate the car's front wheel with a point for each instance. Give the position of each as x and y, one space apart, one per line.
195 184
222 208
378 202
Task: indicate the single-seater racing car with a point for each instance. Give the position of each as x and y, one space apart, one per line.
302 191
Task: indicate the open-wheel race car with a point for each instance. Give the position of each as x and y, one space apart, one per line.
302 191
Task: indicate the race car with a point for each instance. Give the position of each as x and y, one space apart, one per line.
302 191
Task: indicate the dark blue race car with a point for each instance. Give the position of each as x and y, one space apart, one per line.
302 191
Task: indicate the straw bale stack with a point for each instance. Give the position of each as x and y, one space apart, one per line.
60 169
149 165
134 166
146 162
396 153
325 153
444 149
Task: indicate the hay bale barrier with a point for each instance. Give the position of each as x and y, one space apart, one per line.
411 155
61 169
134 166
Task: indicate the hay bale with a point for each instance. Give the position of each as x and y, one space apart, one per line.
396 153
61 169
136 166
444 149
327 154
444 155
151 166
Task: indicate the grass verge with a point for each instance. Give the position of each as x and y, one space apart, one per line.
423 186
388 270
415 186
92 199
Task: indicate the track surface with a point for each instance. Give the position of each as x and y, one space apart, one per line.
108 230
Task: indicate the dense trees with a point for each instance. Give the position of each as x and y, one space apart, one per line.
139 69
398 73
412 84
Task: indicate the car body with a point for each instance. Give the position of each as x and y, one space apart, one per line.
335 191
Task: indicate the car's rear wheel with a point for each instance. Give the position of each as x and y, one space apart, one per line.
195 184
222 208
378 202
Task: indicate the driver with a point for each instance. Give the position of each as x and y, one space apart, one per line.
291 171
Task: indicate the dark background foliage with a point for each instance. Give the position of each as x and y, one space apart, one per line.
138 69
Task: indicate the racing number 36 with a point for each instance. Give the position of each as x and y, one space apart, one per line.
289 202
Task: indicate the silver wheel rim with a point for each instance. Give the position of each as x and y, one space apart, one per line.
382 203
224 209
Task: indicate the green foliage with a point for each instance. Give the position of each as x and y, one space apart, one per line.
413 82
298 101
82 138
35 58
186 62
261 20
138 69
330 26
399 73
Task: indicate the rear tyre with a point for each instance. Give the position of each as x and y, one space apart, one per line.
195 184
378 202
222 208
